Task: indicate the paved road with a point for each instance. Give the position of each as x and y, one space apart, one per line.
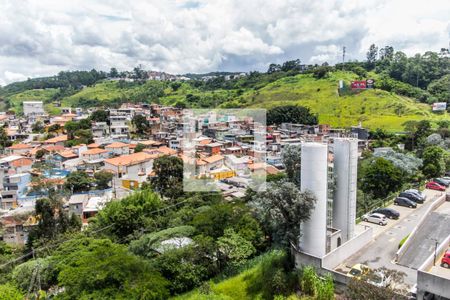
434 229
382 250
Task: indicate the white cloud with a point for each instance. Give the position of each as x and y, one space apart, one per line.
43 37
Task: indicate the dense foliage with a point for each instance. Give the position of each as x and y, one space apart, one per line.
291 114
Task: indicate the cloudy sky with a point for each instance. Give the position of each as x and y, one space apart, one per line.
42 37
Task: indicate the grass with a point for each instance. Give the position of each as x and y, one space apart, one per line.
253 282
44 95
403 241
373 108
102 91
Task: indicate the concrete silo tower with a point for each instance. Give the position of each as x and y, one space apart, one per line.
314 177
345 174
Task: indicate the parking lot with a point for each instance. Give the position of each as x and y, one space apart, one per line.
386 239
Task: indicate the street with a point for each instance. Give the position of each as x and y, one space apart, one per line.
382 250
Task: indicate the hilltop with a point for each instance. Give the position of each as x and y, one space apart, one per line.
373 108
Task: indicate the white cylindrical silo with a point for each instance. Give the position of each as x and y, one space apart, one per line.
314 170
345 174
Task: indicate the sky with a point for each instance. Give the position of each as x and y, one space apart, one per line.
43 37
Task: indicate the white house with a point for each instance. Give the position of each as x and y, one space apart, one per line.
35 108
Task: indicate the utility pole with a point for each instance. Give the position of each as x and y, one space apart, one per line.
343 57
435 251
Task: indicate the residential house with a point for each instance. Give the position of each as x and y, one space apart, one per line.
16 164
213 148
19 149
100 129
33 108
56 141
14 187
118 148
136 166
119 126
95 155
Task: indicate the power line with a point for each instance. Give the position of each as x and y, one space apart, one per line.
32 252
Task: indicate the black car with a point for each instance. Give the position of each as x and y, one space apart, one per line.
405 202
411 196
442 182
388 212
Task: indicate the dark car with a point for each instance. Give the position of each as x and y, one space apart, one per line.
411 196
442 181
388 212
401 201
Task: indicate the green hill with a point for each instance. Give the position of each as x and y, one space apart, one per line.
373 108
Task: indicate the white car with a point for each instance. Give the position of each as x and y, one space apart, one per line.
379 279
375 218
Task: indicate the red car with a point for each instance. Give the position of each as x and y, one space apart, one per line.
435 186
445 261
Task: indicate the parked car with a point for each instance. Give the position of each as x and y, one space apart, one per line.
417 192
375 218
445 261
401 201
358 271
411 196
435 186
447 173
388 212
442 181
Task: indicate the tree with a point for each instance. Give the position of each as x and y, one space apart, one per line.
234 248
274 68
321 72
433 161
408 163
361 289
291 114
45 267
70 127
291 65
53 220
40 153
4 140
139 148
371 57
100 115
102 179
54 128
37 127
149 245
440 88
168 179
291 157
380 177
141 123
10 292
282 208
186 267
125 217
78 181
100 269
113 73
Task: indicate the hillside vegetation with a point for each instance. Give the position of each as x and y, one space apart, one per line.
373 108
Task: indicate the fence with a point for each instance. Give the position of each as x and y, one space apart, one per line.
367 204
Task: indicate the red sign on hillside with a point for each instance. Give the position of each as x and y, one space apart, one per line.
358 84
